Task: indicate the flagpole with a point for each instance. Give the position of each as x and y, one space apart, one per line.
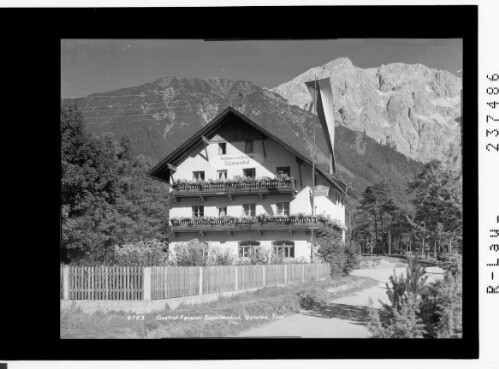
312 245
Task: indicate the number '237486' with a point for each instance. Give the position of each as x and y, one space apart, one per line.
492 104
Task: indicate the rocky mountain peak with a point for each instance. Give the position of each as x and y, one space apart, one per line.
410 107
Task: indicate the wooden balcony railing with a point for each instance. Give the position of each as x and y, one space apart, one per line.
202 225
230 189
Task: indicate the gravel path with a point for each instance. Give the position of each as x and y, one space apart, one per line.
345 317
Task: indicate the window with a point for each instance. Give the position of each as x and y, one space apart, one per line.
222 211
250 172
246 248
248 147
284 170
283 208
284 248
222 174
198 211
198 176
222 148
249 209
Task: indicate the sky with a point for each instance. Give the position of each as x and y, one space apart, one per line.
92 66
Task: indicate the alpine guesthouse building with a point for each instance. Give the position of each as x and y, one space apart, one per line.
235 185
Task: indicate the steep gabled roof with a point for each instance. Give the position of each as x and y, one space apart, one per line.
161 171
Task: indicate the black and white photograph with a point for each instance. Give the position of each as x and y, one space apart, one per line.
261 188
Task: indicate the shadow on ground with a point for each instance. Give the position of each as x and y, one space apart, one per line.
357 314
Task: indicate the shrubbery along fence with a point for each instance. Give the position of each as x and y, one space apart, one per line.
163 282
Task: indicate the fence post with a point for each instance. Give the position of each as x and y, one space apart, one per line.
165 281
285 274
316 272
65 282
200 281
263 268
147 283
303 272
235 268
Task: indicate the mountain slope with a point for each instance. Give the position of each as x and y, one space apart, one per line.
409 107
160 115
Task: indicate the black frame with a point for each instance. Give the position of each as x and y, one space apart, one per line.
35 321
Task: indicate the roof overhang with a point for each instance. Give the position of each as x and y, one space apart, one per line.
162 172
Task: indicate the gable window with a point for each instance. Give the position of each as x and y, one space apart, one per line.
284 170
222 148
249 210
249 172
222 174
283 208
248 147
197 211
246 248
198 176
222 211
284 248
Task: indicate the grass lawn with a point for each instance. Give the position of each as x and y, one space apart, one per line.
225 317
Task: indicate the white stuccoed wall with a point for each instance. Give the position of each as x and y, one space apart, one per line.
231 243
234 161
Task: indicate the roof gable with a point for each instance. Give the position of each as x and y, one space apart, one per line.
161 171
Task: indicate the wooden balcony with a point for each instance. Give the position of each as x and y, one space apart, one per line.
232 188
244 225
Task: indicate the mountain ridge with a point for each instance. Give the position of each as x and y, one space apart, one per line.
159 115
410 107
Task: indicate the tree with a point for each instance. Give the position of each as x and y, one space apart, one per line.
387 207
400 225
107 198
437 202
377 201
88 184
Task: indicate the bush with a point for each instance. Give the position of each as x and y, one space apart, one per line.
403 312
404 323
441 305
311 297
260 255
243 261
220 256
141 253
352 260
332 250
191 253
417 310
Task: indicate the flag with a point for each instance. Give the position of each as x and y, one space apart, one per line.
322 91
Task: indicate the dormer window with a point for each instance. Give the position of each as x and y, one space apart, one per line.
222 148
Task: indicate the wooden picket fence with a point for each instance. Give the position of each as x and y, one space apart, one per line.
105 283
163 282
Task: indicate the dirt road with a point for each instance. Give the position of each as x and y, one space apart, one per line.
344 317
